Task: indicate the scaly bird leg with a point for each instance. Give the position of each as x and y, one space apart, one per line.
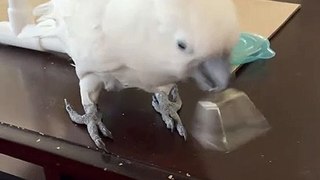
168 108
92 118
90 87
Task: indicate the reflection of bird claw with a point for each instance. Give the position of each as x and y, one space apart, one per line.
168 109
92 119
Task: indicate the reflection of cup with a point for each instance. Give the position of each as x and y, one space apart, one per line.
226 120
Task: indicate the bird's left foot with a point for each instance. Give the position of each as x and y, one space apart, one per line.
168 108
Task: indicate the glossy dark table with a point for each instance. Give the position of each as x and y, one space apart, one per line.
286 89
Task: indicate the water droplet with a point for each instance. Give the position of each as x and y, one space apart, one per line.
38 140
41 133
120 164
58 147
105 169
170 177
188 175
44 67
122 114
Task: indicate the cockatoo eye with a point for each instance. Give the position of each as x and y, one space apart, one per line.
182 45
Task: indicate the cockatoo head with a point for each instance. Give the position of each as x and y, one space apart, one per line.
202 34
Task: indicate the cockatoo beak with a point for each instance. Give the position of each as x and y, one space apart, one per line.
213 74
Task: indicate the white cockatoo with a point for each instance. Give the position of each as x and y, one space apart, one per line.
145 44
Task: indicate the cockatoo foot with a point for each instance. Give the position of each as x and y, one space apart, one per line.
168 108
91 118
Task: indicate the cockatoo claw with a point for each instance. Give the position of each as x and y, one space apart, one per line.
92 118
168 110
